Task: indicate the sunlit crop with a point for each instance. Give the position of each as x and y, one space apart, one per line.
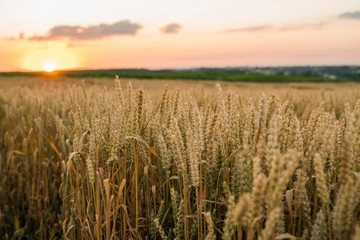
85 162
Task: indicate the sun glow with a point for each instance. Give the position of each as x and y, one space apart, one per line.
49 66
49 60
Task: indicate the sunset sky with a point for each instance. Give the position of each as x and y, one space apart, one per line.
89 34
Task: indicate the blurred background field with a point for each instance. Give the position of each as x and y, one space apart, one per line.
308 92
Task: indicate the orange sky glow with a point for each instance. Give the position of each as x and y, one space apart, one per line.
210 34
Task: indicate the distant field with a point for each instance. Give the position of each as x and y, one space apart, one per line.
299 91
204 74
154 84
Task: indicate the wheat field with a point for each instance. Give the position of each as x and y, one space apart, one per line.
84 161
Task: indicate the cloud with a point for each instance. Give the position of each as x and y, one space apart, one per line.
250 29
171 28
74 44
295 27
91 32
20 37
9 39
266 28
312 55
350 15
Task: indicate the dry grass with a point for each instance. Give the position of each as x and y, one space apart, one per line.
254 162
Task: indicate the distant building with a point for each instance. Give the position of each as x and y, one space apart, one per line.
329 76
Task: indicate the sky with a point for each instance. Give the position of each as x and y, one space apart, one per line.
87 34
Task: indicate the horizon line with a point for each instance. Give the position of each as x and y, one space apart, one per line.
184 68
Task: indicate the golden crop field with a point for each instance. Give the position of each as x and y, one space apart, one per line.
155 159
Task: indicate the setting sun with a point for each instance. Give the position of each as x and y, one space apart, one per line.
49 59
49 66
